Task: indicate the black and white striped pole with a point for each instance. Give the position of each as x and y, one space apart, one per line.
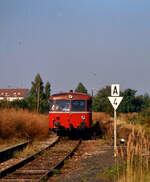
115 100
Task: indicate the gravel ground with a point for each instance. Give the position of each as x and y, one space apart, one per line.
91 159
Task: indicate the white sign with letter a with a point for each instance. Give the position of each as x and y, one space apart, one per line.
115 101
115 90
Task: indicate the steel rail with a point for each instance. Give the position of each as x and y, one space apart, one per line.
18 165
7 153
59 164
46 164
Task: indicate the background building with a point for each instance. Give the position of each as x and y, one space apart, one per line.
12 94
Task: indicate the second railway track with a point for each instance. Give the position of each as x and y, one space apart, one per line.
42 167
7 153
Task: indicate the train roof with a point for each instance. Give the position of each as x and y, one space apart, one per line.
71 95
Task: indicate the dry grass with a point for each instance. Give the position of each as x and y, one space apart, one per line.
22 124
28 151
137 160
105 123
126 116
100 117
134 164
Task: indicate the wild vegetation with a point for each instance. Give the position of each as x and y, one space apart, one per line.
133 162
130 103
38 99
22 124
81 88
21 119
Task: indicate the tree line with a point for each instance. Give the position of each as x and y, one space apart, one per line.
38 99
130 103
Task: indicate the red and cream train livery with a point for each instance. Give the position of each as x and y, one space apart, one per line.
70 112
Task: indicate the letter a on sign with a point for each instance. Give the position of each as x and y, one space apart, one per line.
115 90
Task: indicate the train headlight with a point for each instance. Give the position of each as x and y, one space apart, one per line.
83 117
70 96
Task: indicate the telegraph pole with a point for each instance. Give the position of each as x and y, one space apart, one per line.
38 97
92 92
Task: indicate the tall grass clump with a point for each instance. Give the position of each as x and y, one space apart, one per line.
102 124
22 124
100 117
136 159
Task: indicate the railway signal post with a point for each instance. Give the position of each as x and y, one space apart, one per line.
115 100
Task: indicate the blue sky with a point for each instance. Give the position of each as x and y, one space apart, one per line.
96 42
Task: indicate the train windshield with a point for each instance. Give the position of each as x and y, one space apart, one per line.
52 106
78 105
62 105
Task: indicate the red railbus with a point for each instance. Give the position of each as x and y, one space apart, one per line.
70 112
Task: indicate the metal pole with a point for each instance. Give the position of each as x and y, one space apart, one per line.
92 92
38 97
115 133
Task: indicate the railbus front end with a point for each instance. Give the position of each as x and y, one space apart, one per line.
70 112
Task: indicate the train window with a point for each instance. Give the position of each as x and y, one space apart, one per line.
89 105
52 106
78 105
62 105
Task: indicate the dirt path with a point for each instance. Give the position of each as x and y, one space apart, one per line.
92 158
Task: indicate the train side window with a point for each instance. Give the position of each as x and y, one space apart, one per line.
62 105
89 105
78 105
52 105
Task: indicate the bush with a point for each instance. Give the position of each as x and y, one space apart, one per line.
22 124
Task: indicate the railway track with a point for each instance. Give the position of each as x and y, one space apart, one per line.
7 153
14 163
44 165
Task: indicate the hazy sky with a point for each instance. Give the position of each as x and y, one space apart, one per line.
96 42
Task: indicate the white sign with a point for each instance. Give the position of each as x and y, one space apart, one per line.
115 90
115 101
